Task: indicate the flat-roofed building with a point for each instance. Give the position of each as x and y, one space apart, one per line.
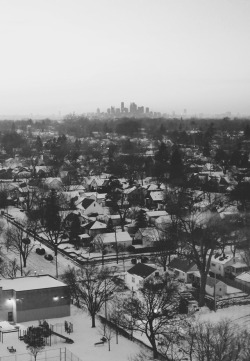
33 298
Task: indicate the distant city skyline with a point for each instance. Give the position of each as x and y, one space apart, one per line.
64 56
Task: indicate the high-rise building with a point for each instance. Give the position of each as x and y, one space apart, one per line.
147 110
133 108
122 107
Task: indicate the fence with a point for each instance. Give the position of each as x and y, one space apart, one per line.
58 354
234 283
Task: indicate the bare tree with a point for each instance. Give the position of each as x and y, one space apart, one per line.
108 332
9 269
34 350
70 277
202 231
94 286
152 309
18 242
54 223
217 342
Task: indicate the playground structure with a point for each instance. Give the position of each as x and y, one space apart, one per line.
41 335
7 328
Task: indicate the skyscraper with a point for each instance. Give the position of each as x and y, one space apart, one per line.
122 107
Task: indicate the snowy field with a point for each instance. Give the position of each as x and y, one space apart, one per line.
84 339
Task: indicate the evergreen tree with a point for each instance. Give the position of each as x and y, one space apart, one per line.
176 167
141 219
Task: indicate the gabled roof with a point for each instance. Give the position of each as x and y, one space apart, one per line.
156 213
150 232
87 202
157 195
98 225
181 264
245 277
213 281
142 270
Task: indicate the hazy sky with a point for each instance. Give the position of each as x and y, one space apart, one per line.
77 55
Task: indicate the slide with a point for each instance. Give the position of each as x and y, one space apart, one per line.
68 340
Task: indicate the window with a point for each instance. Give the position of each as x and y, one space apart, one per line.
133 279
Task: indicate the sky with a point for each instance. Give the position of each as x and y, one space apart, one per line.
64 56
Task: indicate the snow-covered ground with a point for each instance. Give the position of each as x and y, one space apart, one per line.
237 314
84 339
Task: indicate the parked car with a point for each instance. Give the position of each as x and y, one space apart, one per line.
40 251
48 257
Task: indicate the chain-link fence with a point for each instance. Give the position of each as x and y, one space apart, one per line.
58 354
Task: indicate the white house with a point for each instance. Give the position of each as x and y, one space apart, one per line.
147 236
153 215
110 240
182 269
136 275
216 285
89 206
220 262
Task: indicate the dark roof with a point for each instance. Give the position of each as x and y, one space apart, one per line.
212 281
181 264
87 202
142 270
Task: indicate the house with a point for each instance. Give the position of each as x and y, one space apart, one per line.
53 183
236 269
146 237
244 279
89 206
183 269
111 240
136 275
220 262
32 298
97 228
217 286
153 215
154 199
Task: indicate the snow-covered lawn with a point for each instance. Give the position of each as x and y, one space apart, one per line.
84 339
237 314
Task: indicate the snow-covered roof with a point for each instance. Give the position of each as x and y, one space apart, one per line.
239 265
98 225
156 213
221 259
157 195
245 276
113 237
30 283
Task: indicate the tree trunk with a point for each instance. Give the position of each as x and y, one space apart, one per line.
93 320
202 292
152 340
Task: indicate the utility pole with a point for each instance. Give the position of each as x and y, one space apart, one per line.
215 292
116 244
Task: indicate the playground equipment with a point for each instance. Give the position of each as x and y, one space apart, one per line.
67 339
41 335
